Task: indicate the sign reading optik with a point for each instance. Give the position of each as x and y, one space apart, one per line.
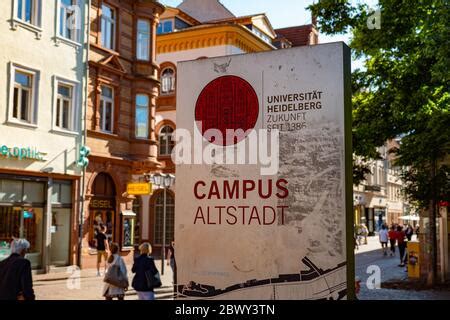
22 153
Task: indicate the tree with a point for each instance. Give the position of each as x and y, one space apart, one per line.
403 91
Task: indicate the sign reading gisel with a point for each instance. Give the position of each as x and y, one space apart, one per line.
264 182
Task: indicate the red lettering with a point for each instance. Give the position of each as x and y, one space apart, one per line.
282 213
208 211
269 187
197 216
254 215
214 190
284 191
243 212
196 189
230 214
264 215
249 185
232 193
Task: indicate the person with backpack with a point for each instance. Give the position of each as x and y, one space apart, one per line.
145 271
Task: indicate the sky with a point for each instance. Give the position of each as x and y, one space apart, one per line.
281 13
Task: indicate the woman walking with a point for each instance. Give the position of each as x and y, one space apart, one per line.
144 267
116 261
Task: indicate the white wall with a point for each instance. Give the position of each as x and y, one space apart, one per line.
64 60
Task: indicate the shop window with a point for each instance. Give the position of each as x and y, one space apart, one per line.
33 192
60 233
11 190
23 222
128 227
170 217
62 193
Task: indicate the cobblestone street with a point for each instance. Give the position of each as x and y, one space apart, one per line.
64 284
371 255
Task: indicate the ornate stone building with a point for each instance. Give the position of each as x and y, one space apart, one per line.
123 85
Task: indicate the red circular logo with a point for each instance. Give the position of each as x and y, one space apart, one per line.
227 104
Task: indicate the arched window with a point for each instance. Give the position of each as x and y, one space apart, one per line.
168 81
165 141
170 217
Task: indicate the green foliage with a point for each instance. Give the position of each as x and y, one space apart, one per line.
404 89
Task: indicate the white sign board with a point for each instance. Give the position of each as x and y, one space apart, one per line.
263 192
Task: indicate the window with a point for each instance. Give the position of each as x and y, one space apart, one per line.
107 109
143 40
165 141
168 81
142 116
261 34
69 21
170 216
23 99
180 24
165 26
64 107
29 11
108 27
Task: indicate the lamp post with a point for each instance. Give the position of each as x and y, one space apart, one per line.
164 181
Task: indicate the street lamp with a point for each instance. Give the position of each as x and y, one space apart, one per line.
164 181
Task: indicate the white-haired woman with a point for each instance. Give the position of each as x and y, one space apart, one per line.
16 282
142 265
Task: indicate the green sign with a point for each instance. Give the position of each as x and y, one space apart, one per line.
29 153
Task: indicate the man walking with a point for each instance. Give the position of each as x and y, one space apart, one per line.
102 248
16 282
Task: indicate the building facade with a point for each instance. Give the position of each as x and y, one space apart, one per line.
42 81
122 89
378 200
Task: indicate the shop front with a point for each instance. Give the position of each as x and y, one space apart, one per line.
108 208
37 208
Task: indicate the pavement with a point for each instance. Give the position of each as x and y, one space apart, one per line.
70 283
369 260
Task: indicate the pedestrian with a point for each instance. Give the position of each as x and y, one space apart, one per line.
16 282
392 239
111 291
365 232
417 231
409 232
143 267
171 260
384 237
102 248
401 245
355 237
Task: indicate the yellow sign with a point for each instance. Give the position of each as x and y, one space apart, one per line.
413 259
139 188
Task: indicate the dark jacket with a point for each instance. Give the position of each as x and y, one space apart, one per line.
15 278
142 264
